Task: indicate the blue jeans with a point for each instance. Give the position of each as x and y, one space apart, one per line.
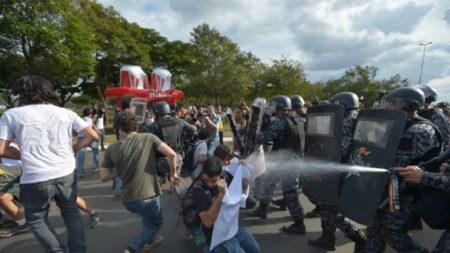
96 154
117 185
150 211
242 242
36 198
212 144
80 159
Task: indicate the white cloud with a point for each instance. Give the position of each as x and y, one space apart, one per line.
442 87
326 36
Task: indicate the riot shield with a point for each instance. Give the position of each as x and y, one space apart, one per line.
254 126
324 132
234 130
361 191
323 143
139 106
375 141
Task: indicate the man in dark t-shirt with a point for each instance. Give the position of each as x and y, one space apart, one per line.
207 198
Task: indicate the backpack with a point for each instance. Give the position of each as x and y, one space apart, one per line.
188 215
188 161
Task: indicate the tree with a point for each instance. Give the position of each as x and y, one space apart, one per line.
361 80
52 41
220 68
283 77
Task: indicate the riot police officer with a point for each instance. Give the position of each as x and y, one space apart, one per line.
329 216
286 144
299 114
169 130
420 142
435 115
298 106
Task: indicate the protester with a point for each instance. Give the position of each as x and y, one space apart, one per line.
207 198
212 121
44 133
133 159
201 151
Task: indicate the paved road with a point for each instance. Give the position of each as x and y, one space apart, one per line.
118 227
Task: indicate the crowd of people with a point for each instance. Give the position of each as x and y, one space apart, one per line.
170 144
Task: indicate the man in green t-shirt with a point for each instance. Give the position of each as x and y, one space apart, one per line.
133 159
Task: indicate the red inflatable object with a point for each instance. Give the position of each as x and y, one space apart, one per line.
133 80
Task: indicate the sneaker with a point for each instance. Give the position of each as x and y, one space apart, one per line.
320 242
117 197
94 220
188 237
6 223
81 175
157 240
13 229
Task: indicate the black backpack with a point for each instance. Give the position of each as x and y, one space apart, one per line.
188 161
188 215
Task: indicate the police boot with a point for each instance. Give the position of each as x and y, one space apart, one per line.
281 203
297 228
260 212
326 244
360 242
315 213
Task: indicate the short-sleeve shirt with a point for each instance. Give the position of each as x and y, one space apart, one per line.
202 201
202 149
134 157
215 120
44 135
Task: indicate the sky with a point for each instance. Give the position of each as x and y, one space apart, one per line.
325 36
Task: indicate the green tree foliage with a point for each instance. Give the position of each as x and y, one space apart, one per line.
81 45
219 69
361 80
117 42
50 39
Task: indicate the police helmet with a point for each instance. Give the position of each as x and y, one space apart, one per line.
349 100
280 102
297 101
412 98
259 102
161 108
430 93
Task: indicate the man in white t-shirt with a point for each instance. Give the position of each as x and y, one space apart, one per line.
44 134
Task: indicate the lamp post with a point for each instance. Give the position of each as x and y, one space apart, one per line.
423 59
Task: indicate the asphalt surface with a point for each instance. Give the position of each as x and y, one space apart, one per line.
118 227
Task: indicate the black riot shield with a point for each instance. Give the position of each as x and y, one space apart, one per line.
254 126
324 132
323 143
375 141
237 139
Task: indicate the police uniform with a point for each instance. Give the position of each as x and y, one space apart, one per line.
437 117
439 181
169 130
279 133
416 145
